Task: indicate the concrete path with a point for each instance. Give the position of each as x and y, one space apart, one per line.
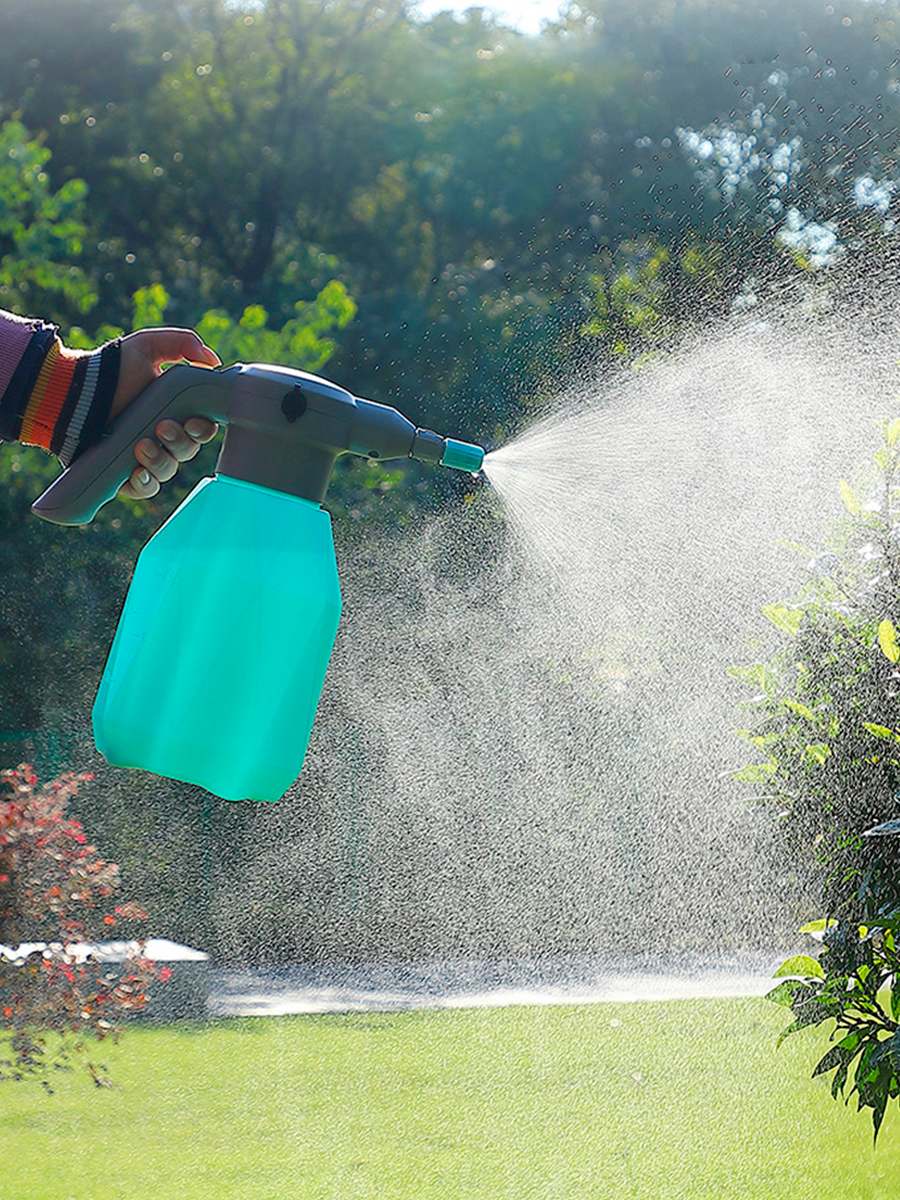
470 983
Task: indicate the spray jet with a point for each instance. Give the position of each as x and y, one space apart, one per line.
237 595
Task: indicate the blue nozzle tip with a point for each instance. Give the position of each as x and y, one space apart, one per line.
463 456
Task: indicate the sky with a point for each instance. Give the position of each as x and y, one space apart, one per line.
526 15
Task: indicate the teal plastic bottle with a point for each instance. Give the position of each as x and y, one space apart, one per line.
220 654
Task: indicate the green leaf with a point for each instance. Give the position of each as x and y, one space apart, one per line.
786 619
755 773
802 966
892 432
839 1079
881 731
894 1050
887 640
878 1109
786 1033
818 926
786 993
850 501
837 1056
818 752
800 709
783 994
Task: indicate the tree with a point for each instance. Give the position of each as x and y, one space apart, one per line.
54 902
263 121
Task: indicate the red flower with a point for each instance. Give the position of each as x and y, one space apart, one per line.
165 975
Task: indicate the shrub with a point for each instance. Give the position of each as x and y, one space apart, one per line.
827 723
55 897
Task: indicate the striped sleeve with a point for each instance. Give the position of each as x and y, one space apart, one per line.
50 396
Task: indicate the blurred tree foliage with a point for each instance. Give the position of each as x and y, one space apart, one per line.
454 217
41 231
465 183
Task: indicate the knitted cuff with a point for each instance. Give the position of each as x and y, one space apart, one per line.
69 401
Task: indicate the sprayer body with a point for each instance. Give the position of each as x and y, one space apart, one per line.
220 654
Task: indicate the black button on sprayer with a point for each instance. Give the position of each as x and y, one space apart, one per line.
294 403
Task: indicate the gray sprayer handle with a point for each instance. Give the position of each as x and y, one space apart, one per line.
82 489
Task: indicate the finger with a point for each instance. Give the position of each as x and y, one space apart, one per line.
141 485
159 462
176 440
201 429
175 345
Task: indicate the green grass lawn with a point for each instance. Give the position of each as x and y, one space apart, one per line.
687 1099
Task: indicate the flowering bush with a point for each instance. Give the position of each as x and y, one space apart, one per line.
55 894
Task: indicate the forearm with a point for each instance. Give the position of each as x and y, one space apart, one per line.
50 396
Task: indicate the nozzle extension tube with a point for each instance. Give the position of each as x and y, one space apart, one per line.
285 430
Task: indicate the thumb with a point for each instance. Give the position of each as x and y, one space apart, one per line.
144 354
169 345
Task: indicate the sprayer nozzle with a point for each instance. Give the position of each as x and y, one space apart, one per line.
463 456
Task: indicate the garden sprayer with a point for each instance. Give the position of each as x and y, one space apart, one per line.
220 654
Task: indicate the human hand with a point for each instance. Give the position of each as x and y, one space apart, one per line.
142 357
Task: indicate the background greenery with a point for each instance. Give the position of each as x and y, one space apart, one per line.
444 215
